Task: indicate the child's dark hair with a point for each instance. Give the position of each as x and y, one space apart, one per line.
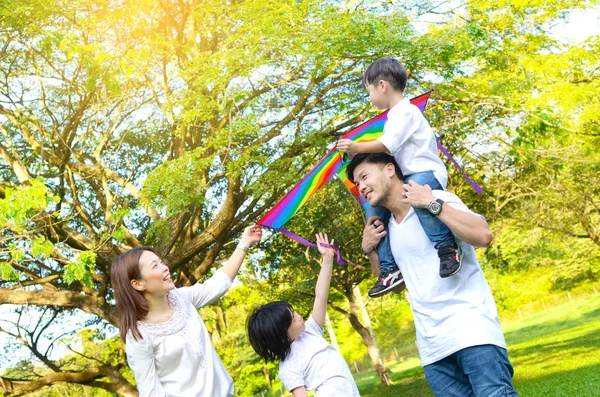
372 158
388 69
268 330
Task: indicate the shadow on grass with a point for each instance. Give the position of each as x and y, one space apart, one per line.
560 350
579 382
408 382
550 328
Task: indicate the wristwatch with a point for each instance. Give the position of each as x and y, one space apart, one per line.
435 207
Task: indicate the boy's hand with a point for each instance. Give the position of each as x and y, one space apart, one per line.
347 146
325 251
252 234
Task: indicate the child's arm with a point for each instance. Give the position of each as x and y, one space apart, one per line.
300 392
252 234
322 288
351 147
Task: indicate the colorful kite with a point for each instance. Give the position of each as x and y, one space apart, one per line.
333 163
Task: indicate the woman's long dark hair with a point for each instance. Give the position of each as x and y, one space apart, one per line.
268 330
131 304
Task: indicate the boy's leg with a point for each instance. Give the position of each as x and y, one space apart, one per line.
488 369
390 277
439 234
447 379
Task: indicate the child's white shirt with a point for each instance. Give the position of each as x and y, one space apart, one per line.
316 365
409 138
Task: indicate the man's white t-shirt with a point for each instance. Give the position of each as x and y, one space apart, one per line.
316 365
408 137
450 313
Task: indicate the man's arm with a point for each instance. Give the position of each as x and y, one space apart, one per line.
372 235
470 228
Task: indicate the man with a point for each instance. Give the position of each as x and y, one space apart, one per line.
460 341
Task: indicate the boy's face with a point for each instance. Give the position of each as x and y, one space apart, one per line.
377 94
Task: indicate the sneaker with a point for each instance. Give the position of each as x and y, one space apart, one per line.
450 260
387 282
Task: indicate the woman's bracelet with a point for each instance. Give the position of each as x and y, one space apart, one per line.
242 247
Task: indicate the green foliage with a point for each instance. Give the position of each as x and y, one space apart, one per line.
19 204
81 269
40 247
8 273
216 115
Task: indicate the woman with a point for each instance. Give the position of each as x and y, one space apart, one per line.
167 344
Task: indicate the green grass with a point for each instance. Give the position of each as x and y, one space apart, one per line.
554 353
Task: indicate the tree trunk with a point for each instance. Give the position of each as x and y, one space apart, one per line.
369 337
330 331
267 377
356 303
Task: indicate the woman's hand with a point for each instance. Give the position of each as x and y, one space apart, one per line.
327 252
252 234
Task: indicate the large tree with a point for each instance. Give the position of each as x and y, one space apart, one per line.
164 123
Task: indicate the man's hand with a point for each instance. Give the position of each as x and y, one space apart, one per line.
347 146
372 234
416 195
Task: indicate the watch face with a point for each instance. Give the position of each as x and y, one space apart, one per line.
435 207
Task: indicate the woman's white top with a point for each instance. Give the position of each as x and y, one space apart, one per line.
176 357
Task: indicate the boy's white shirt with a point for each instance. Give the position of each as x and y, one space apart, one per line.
316 365
409 138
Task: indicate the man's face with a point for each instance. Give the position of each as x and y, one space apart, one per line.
373 181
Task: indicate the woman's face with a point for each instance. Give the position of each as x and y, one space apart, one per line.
155 277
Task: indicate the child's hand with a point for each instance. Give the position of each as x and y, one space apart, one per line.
347 146
252 234
325 251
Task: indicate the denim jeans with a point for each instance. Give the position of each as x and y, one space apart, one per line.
439 234
477 371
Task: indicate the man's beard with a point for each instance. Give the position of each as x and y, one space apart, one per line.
384 189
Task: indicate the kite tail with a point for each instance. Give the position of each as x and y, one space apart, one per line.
307 243
477 188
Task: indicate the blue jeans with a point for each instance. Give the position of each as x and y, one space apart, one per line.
477 371
439 234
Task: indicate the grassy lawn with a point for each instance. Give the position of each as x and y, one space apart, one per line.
555 353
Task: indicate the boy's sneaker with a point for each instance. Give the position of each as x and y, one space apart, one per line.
386 282
450 260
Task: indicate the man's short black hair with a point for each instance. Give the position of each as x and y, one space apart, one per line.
268 330
372 158
388 69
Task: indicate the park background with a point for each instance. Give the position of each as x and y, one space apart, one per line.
176 123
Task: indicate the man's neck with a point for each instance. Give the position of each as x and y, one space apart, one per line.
395 204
